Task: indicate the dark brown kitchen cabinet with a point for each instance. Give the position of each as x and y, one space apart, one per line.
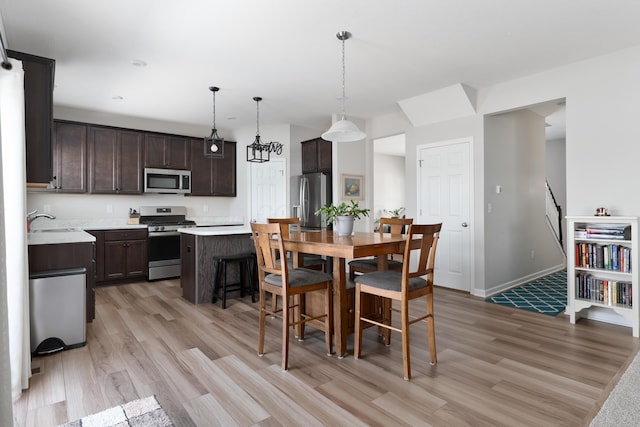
38 100
63 256
167 151
213 177
125 254
69 157
115 160
316 156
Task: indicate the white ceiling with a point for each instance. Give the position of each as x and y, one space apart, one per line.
286 51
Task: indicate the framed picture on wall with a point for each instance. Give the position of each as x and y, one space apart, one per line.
352 187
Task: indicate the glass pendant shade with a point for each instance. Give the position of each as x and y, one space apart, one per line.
344 131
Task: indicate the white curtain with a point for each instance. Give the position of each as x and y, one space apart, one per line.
15 275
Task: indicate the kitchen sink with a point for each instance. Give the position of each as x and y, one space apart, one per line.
55 230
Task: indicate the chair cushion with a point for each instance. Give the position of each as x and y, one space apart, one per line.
299 277
389 280
372 264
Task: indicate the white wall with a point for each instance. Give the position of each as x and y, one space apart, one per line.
556 173
388 183
602 134
519 243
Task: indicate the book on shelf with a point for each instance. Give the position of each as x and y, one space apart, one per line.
602 256
603 291
608 231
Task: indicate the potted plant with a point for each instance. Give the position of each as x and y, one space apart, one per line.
343 216
395 213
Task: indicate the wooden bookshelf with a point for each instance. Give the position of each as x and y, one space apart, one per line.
602 271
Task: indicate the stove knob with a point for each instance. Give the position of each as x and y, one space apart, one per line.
162 228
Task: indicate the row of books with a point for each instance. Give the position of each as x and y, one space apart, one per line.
610 292
604 232
606 257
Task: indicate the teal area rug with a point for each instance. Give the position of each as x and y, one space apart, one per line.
546 295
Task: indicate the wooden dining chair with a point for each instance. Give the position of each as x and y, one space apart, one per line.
279 279
313 262
403 287
367 265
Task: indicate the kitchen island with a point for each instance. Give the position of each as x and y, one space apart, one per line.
198 247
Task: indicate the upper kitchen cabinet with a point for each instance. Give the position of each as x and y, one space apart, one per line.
69 157
38 99
316 156
115 160
213 177
167 151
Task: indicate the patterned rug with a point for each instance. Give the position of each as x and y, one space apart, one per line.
547 295
137 413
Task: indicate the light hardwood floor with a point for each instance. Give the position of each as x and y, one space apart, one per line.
497 366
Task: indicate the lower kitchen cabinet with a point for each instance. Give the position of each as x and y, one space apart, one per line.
62 256
125 254
120 254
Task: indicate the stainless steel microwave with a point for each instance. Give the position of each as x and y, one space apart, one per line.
167 181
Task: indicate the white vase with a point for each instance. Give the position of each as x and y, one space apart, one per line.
344 225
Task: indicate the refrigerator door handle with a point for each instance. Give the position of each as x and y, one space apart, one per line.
304 199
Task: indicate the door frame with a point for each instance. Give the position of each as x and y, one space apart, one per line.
473 224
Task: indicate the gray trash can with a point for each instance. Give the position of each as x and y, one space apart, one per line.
57 306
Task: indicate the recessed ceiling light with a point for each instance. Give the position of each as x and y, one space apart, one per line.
138 63
230 117
117 97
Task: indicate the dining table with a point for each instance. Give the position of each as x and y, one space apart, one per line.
341 248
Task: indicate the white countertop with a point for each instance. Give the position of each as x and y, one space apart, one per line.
52 231
217 231
56 236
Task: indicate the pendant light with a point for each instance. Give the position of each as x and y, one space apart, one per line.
343 130
213 144
256 150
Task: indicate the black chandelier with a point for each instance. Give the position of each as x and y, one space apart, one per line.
213 144
257 152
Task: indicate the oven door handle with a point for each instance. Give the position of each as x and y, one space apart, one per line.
163 233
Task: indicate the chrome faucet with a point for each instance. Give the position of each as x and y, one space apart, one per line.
32 216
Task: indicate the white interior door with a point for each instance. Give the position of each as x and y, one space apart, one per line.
268 190
443 196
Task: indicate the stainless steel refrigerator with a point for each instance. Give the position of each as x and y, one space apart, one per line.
309 192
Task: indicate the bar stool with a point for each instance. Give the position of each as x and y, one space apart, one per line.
247 266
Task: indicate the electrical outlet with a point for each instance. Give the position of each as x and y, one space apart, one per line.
109 208
489 207
533 254
205 208
47 208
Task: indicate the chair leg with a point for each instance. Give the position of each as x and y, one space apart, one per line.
431 329
300 301
285 332
224 285
357 333
386 319
328 335
216 283
406 351
251 266
263 316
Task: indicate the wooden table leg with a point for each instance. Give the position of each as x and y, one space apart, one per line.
340 309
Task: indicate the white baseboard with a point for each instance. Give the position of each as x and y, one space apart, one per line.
484 293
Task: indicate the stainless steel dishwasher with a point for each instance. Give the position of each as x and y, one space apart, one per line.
57 307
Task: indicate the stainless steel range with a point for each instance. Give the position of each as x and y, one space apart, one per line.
164 239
